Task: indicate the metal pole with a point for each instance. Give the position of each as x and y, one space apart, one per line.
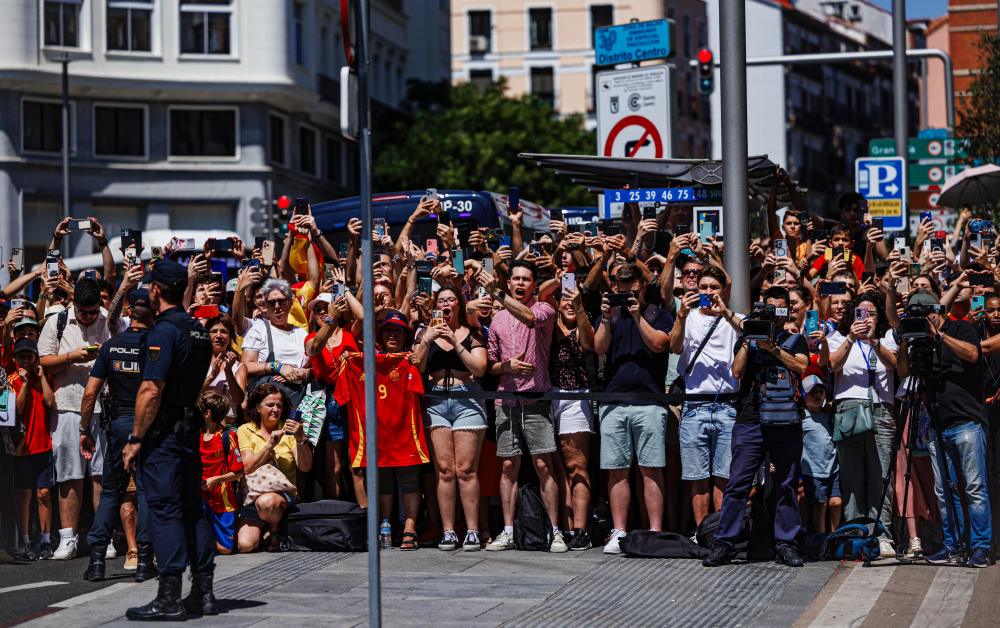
900 101
733 53
868 55
371 422
65 146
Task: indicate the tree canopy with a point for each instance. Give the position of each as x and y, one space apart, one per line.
454 136
980 122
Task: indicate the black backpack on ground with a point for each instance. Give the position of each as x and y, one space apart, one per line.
756 540
650 544
532 530
328 525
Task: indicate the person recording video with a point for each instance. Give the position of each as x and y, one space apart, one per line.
949 357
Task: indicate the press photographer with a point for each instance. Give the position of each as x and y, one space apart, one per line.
946 356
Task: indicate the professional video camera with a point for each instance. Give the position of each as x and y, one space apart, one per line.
764 321
925 359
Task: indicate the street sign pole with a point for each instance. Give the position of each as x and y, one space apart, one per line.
732 33
367 288
65 146
899 82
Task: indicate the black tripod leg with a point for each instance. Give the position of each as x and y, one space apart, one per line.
890 470
914 411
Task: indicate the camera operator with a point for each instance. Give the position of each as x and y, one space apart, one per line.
958 451
768 370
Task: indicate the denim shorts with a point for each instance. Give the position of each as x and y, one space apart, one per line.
336 422
456 414
628 430
705 433
525 429
820 490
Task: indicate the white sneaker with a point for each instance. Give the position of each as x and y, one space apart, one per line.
612 547
504 541
916 548
558 545
66 549
885 549
111 552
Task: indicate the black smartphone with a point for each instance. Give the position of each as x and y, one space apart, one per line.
617 299
611 228
832 287
556 214
681 229
423 268
258 241
878 223
977 279
867 276
820 235
301 206
222 245
661 245
513 198
649 212
937 244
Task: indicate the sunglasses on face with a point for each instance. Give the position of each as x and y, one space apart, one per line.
690 273
277 302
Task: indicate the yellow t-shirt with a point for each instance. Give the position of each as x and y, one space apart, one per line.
250 437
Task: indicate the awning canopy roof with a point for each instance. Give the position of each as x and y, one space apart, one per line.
600 173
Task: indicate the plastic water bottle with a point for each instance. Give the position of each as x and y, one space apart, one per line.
385 535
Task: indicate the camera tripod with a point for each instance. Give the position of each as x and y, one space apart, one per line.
917 396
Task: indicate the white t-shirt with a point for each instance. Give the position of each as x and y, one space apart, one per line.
289 346
713 372
68 384
852 381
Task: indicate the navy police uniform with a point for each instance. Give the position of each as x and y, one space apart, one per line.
120 363
178 353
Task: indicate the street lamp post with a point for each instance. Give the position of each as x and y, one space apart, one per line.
65 146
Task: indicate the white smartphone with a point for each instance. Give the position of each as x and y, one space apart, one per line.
267 252
488 265
568 282
781 248
899 243
17 257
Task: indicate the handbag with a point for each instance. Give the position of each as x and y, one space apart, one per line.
860 419
677 387
267 478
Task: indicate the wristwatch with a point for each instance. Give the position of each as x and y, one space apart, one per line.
501 295
133 439
84 430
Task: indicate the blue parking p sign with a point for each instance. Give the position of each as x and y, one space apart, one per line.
882 181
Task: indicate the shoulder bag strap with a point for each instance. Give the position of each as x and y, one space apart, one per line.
701 347
270 342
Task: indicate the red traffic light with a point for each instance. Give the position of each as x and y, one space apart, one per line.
704 55
284 202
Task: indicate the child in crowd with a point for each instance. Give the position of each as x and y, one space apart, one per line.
221 468
820 468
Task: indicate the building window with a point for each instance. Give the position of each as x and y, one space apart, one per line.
540 27
203 132
543 85
277 143
206 27
334 161
480 40
307 150
130 25
41 126
482 79
298 34
119 131
600 15
62 23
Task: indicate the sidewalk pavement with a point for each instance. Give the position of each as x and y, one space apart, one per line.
429 587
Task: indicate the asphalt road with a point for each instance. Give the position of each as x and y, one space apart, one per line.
28 589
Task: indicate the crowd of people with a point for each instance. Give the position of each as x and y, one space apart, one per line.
855 334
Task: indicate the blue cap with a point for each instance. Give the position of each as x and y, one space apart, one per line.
170 273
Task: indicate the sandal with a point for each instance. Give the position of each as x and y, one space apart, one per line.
409 542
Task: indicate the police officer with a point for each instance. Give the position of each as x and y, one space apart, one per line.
119 363
164 447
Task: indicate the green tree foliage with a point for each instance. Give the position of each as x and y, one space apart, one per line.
980 115
456 137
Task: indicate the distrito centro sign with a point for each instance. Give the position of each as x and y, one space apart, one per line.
635 112
633 42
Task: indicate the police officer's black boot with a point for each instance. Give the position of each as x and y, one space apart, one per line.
95 570
201 600
166 607
146 568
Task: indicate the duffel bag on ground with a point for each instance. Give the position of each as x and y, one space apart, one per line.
651 544
756 540
855 540
328 525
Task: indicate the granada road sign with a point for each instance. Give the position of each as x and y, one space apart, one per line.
933 174
919 148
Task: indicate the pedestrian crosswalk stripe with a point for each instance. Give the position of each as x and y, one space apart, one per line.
947 598
93 595
855 597
32 585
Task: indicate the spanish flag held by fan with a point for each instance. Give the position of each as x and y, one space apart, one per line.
299 242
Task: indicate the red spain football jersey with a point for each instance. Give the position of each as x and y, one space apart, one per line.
221 497
398 392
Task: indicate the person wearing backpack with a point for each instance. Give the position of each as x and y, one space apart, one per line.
705 344
221 469
768 423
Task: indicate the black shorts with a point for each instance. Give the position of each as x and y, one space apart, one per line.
33 471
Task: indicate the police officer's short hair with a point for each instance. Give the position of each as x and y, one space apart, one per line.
142 313
279 285
87 293
171 294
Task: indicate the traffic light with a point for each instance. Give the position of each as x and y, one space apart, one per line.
706 71
280 211
282 214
